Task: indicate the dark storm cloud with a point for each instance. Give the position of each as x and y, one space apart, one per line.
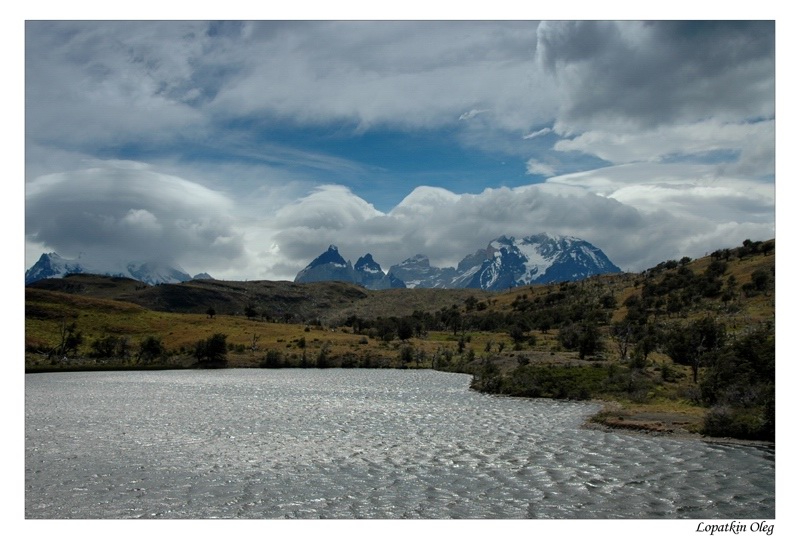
653 73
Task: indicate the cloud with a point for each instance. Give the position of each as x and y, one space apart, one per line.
639 215
444 225
683 189
330 207
690 139
247 127
534 167
84 80
690 209
471 114
631 76
635 215
613 90
389 72
127 211
536 134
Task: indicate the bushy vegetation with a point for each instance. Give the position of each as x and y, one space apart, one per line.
212 352
739 385
685 316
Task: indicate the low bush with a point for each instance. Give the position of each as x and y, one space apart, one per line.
747 423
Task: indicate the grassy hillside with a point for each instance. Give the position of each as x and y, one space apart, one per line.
50 313
325 302
687 345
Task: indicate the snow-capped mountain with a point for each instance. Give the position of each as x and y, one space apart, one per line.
509 262
53 265
370 274
331 266
543 258
368 269
417 272
506 262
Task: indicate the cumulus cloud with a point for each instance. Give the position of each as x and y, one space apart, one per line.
331 207
691 208
446 226
611 89
127 211
637 221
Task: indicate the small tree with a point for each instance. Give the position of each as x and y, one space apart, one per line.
322 356
760 279
622 334
272 359
211 312
517 334
150 349
585 337
212 352
590 342
70 338
254 345
405 330
690 345
406 354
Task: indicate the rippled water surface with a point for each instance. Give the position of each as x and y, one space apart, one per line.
356 444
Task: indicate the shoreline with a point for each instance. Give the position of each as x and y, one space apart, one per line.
666 424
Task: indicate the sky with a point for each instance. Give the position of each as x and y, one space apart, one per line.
244 149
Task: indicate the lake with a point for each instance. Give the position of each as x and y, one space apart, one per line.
357 443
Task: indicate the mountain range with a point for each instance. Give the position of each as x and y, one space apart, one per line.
331 266
53 265
506 262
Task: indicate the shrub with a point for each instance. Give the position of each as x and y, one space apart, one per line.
212 352
322 356
746 423
556 382
110 347
151 348
273 359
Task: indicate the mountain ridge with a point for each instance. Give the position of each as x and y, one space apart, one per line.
508 262
52 265
331 266
333 302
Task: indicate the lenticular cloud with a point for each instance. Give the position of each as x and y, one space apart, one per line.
131 211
